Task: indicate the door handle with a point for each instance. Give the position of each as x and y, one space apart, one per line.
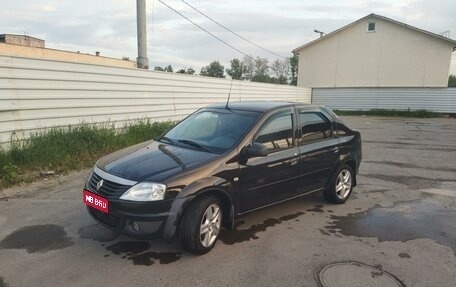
292 161
335 149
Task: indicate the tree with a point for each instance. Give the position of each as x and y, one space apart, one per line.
237 69
260 67
248 63
168 68
294 63
263 79
261 71
452 81
215 69
189 71
281 70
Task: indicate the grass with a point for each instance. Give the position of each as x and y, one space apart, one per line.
71 148
392 113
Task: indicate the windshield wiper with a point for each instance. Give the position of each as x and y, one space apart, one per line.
167 139
195 144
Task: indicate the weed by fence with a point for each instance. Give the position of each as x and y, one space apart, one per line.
71 148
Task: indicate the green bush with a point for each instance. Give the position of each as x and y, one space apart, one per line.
391 113
74 147
452 81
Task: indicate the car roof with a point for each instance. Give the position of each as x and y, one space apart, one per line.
258 106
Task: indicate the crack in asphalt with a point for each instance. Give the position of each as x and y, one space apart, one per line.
409 165
412 181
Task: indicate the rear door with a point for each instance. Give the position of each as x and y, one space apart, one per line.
265 180
318 146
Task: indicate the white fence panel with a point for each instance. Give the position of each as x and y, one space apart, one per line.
442 100
37 94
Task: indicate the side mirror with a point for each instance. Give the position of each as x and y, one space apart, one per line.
256 149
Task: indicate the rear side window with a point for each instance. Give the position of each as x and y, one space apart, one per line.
277 133
314 126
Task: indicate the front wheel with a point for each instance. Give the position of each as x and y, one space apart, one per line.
340 188
201 224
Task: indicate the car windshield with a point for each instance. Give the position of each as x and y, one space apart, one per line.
211 130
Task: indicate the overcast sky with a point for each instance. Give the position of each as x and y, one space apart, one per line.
109 26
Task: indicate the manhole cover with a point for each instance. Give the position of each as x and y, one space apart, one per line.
356 274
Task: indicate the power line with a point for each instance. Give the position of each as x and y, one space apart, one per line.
226 28
221 40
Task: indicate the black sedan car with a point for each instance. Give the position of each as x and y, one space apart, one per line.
219 163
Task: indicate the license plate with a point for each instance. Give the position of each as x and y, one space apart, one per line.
95 201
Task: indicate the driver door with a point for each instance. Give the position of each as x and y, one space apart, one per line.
269 179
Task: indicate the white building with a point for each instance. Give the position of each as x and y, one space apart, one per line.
453 64
377 52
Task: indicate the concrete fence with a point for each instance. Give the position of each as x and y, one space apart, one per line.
37 94
442 100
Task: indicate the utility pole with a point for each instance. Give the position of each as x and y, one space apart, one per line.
142 61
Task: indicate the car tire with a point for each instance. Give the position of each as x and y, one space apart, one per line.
204 213
341 186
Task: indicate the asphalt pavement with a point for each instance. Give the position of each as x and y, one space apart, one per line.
400 219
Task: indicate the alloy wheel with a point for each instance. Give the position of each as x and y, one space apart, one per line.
210 225
343 184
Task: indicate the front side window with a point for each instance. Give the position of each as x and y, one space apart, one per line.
277 133
213 131
314 126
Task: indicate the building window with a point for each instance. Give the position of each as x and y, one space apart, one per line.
371 27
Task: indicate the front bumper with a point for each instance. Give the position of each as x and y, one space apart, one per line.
137 219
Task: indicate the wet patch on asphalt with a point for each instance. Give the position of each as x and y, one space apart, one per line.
381 190
324 232
137 252
236 235
98 233
317 208
148 258
291 216
37 238
403 221
128 247
404 255
3 283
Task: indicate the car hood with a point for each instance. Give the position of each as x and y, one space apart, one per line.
152 161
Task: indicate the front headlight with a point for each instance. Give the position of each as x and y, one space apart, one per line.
145 191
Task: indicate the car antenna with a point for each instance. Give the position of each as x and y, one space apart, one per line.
229 94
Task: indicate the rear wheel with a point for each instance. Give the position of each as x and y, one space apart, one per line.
340 188
201 224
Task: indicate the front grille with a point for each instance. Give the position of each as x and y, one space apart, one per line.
108 187
105 218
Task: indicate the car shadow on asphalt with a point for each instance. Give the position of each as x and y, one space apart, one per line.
247 228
